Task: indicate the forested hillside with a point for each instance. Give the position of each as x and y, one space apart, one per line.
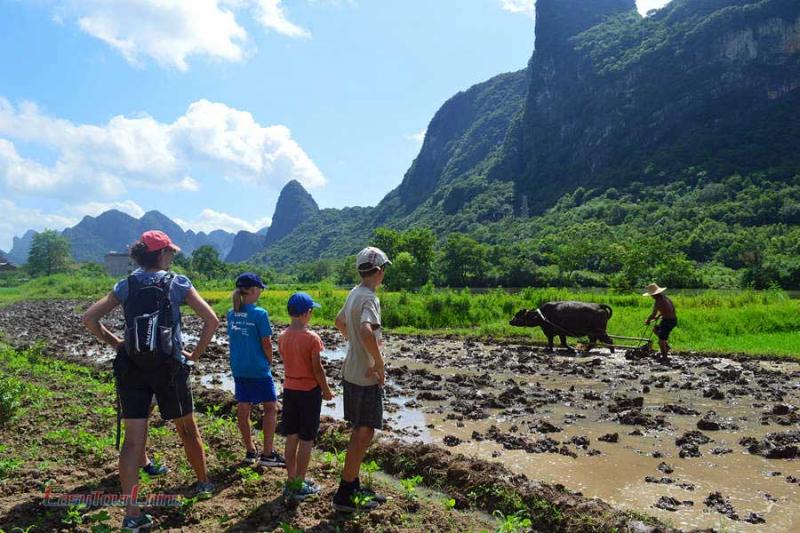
676 134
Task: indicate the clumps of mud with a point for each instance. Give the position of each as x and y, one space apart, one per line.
511 441
784 445
668 503
487 485
712 422
717 502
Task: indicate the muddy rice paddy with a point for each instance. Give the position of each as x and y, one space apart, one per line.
700 442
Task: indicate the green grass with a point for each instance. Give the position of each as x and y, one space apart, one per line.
752 322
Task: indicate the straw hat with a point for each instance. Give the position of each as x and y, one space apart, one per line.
654 289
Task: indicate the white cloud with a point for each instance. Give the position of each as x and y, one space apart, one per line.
646 5
210 220
17 220
169 32
272 15
525 7
96 208
104 161
418 137
528 7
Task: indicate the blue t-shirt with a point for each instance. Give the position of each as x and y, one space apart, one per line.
245 331
181 285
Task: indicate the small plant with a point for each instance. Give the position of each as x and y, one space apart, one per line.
11 390
248 475
294 484
20 529
99 520
74 516
216 426
369 469
8 466
289 528
187 505
360 499
225 456
512 523
410 484
335 458
449 503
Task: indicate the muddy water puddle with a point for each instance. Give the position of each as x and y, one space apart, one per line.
547 415
626 473
637 470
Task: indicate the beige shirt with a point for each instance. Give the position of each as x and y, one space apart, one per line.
362 306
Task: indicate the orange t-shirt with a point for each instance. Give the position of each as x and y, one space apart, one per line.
296 347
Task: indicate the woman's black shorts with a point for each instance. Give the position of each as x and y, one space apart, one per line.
300 415
137 386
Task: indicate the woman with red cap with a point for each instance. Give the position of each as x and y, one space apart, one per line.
151 361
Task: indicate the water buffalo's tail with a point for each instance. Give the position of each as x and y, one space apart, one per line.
608 310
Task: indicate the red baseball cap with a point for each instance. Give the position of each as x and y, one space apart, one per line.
157 240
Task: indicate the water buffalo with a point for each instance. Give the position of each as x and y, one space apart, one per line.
573 319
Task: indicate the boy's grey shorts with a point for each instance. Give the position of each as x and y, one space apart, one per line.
363 405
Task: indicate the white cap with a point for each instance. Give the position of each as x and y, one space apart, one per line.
371 257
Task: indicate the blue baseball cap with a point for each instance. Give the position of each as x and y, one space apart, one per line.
300 302
249 279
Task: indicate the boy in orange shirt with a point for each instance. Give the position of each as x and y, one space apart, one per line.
304 388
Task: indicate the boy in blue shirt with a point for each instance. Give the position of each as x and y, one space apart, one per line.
250 335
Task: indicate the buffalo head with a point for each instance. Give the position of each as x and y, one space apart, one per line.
528 318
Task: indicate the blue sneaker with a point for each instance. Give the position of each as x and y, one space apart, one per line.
143 522
204 491
306 490
153 470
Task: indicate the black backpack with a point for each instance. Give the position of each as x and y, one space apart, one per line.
149 327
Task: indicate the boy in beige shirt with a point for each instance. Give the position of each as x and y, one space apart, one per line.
363 375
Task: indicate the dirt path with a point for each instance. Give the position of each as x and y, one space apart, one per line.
701 442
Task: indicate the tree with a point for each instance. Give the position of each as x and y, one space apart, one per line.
205 261
388 240
404 272
462 261
418 244
49 254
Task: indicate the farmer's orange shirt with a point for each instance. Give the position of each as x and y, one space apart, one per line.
296 347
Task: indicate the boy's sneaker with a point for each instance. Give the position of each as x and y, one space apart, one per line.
153 470
369 492
346 503
203 491
143 522
251 458
306 490
273 460
377 498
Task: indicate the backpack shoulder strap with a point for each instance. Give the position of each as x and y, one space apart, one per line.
133 288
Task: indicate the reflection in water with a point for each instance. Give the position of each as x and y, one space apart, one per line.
410 420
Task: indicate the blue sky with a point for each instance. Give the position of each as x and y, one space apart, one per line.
204 109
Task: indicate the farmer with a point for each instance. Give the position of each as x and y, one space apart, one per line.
363 372
304 389
151 360
250 336
664 309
